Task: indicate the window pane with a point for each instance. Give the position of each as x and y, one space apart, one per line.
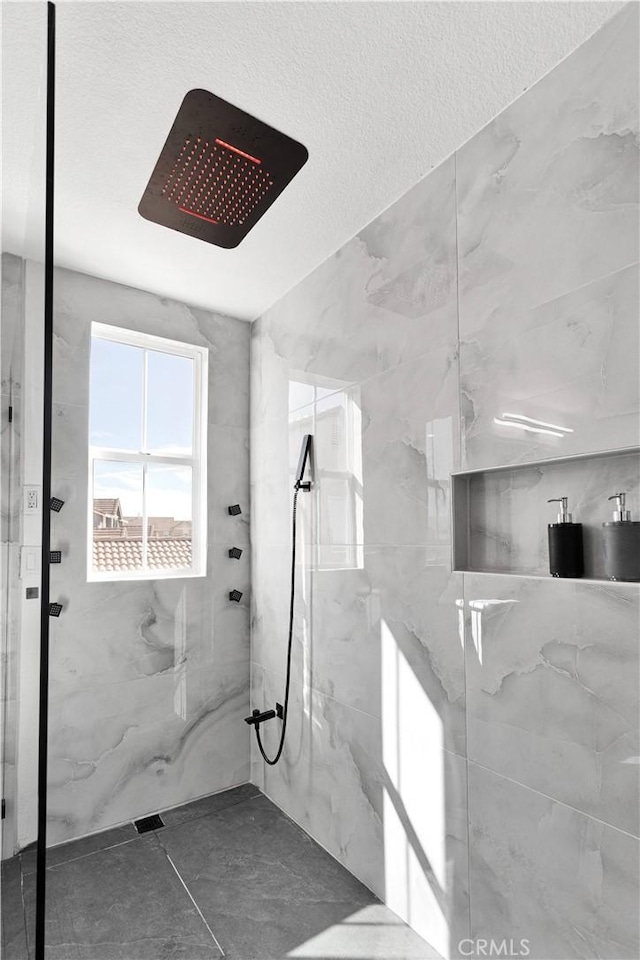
117 516
116 395
170 517
169 404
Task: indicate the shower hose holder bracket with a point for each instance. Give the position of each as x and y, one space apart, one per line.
257 718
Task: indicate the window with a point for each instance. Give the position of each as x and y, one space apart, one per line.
147 457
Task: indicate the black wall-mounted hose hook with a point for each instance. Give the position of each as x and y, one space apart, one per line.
305 458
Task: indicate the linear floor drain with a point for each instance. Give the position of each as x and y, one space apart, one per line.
149 823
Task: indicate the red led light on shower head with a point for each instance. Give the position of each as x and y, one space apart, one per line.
219 171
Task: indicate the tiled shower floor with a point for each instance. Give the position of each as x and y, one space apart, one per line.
229 875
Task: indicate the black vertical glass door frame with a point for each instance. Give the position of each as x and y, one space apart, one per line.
43 718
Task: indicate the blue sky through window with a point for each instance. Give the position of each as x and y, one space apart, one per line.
116 404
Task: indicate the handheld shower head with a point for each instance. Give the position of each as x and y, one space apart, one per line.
282 710
305 453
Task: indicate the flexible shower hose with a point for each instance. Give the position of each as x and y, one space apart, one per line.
283 732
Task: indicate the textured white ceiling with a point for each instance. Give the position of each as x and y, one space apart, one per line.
379 92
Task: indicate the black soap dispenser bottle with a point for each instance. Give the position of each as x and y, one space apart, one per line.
621 543
566 558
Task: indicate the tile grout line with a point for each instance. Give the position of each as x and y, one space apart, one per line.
83 856
24 911
342 703
200 913
562 803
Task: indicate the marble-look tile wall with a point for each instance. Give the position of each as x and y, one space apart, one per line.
149 680
363 355
11 349
466 744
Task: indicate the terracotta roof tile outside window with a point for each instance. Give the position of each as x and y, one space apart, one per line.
115 554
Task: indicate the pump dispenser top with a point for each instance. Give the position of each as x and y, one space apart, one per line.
563 515
621 537
620 515
565 543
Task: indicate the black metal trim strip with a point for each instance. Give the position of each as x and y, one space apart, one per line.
43 719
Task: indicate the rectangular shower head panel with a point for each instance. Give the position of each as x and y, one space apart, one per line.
219 171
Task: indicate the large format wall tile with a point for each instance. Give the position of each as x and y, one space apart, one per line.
565 364
404 604
332 753
117 632
275 449
384 298
347 618
123 750
552 689
410 446
545 873
548 191
394 432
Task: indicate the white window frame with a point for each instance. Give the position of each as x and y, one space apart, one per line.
197 461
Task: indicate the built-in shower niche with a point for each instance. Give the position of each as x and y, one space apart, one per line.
500 515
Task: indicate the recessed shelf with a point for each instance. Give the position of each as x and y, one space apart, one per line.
547 576
500 515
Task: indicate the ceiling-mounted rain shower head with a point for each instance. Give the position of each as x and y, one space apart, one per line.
219 171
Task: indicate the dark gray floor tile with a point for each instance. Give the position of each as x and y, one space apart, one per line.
121 903
266 889
12 923
79 848
211 804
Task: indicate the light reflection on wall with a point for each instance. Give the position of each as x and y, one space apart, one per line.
180 657
334 418
439 464
414 798
478 609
